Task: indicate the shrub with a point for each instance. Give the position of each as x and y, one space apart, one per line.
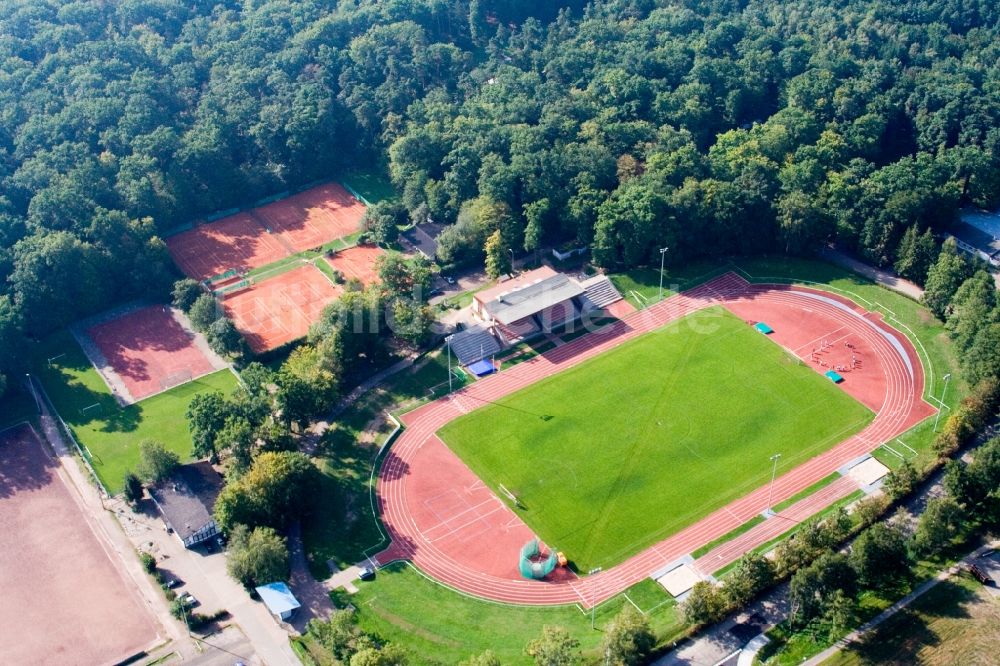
148 562
133 487
185 293
204 312
156 462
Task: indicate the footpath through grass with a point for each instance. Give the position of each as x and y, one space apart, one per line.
439 625
111 433
640 442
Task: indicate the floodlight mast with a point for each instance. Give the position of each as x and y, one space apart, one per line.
663 254
770 492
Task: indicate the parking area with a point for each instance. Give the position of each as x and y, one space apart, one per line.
202 573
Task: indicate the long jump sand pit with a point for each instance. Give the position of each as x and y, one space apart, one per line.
64 601
279 310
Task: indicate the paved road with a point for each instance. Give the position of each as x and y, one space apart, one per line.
884 278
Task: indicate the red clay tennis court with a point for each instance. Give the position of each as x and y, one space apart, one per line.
281 309
64 599
314 217
150 351
357 262
235 242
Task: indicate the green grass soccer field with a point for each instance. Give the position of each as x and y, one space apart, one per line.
111 433
636 444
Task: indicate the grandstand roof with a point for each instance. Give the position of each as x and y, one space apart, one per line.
528 294
473 344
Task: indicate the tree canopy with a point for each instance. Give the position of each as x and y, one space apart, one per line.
708 126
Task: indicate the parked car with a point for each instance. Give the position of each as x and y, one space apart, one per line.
367 573
449 279
189 600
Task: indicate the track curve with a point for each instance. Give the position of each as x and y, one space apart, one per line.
444 520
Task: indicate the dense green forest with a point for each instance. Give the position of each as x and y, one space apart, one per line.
710 126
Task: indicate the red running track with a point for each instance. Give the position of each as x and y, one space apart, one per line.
441 517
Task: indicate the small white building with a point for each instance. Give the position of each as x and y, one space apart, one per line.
279 600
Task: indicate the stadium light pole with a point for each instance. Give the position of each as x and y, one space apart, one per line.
663 255
937 418
448 342
593 599
34 395
774 472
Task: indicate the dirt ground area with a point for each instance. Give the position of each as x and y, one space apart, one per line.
63 599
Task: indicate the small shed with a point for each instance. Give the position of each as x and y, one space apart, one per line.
279 600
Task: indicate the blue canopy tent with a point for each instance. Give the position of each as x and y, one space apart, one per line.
833 376
481 368
763 328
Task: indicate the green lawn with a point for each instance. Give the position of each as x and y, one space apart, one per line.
638 443
110 433
955 622
927 333
372 184
439 625
343 525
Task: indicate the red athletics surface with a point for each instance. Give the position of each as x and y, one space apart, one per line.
313 217
64 600
357 262
280 309
234 242
266 234
419 468
146 347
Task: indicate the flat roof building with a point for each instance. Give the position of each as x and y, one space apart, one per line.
279 600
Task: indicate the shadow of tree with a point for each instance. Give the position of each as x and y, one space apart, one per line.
900 639
23 463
